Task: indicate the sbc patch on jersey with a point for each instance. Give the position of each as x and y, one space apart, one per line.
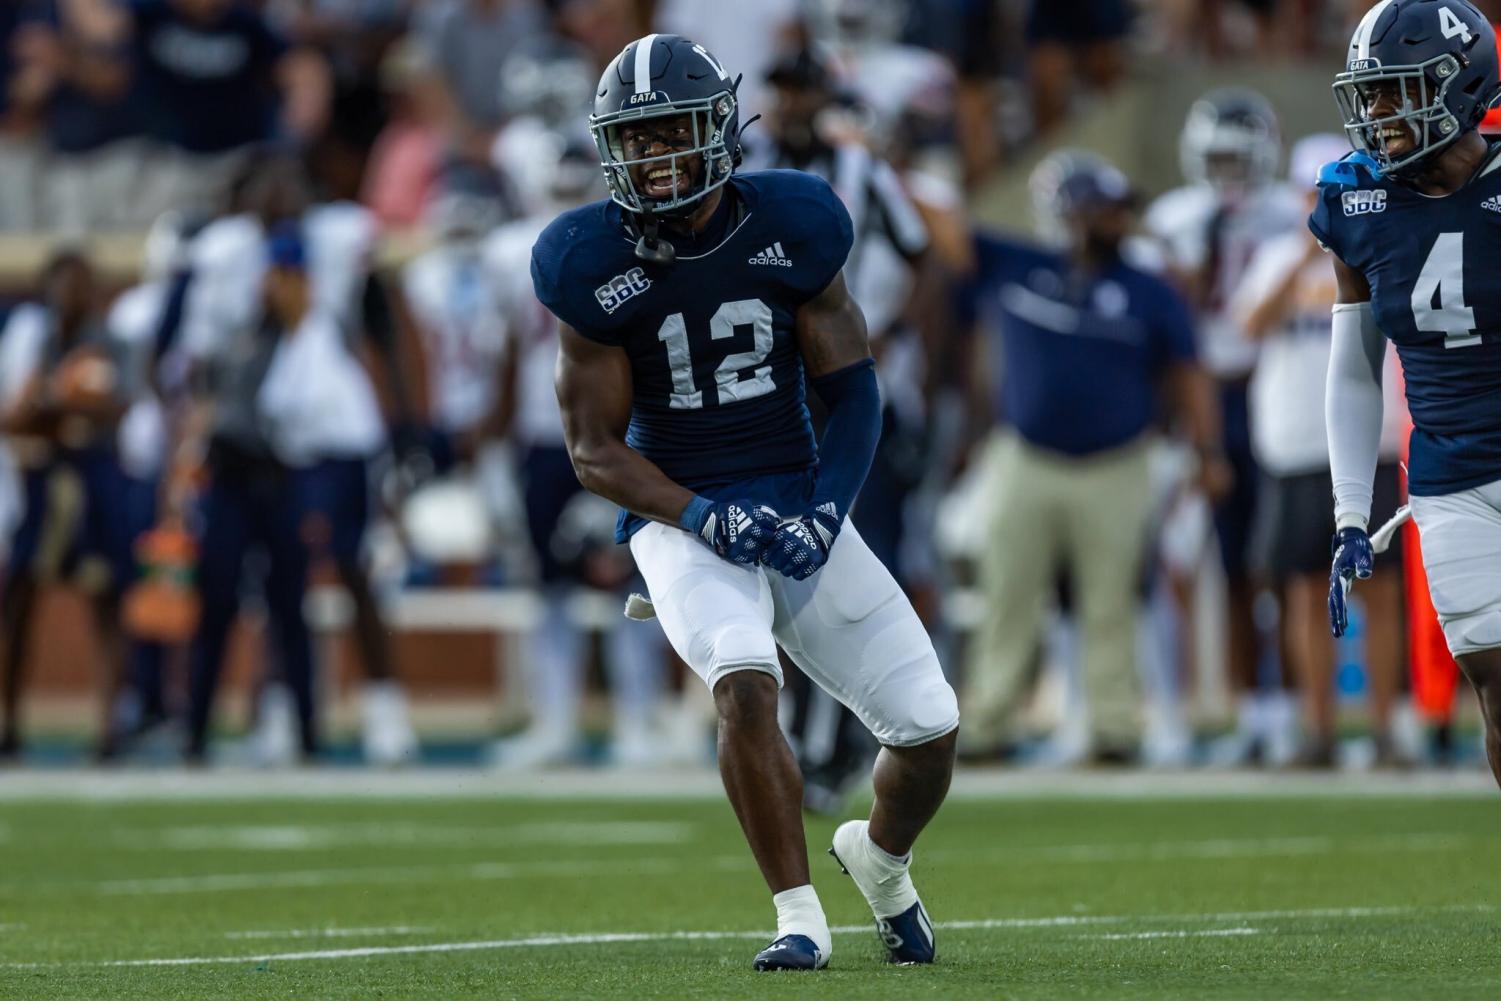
618 290
1363 202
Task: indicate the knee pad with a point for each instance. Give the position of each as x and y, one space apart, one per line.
1473 632
738 646
911 705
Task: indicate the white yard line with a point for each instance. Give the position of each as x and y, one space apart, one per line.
605 938
701 783
292 933
1133 936
322 837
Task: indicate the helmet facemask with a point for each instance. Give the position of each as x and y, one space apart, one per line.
708 138
1422 113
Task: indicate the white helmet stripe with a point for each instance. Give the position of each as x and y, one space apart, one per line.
1362 41
643 63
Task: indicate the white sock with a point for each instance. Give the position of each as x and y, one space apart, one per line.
895 892
800 913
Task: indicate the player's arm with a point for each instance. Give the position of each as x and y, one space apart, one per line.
594 391
1352 415
1353 400
836 354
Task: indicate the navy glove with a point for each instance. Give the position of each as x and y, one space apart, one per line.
802 546
736 530
1353 559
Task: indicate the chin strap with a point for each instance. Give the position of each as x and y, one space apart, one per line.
651 247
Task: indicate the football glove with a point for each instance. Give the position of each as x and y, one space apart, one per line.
736 530
1353 560
802 546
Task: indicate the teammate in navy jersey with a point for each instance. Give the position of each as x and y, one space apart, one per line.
693 305
1413 218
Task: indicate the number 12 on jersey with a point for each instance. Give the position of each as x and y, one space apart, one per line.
1442 280
741 376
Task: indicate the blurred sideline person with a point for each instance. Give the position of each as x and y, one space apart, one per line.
1284 302
1083 350
1230 148
890 244
65 385
554 173
224 309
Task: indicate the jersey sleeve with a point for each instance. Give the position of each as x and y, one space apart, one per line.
565 289
823 232
1174 327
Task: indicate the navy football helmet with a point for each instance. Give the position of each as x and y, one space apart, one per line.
1230 140
1435 60
659 77
1068 181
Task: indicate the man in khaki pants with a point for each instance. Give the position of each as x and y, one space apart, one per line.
1087 352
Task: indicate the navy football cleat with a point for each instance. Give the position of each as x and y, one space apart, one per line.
908 936
790 952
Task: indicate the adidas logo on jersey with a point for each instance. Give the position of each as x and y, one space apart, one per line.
774 256
1493 203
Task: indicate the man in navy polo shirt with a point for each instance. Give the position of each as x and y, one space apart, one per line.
1087 352
218 79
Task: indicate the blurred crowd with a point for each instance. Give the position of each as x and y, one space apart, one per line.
1092 526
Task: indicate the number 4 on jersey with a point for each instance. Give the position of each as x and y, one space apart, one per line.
1438 298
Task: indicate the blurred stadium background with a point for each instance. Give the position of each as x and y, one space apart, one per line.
148 151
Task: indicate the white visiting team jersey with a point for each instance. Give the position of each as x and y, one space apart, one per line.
463 332
229 260
533 331
1287 390
133 320
317 400
1184 219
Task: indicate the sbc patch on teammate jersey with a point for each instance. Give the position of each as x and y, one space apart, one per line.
1363 202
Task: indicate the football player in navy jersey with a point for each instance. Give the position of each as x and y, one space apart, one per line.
1413 219
693 304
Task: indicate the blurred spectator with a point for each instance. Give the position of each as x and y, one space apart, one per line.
1082 348
889 249
464 45
354 37
218 79
407 155
1284 301
1210 228
23 91
64 387
76 51
1071 40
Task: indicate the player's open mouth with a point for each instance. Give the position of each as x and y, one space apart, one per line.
659 183
1394 136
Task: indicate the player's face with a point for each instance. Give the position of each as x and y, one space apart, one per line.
1384 98
667 142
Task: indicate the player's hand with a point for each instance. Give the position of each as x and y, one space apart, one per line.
1353 559
736 530
802 546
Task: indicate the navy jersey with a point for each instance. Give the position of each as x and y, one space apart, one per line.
716 375
1081 358
1436 294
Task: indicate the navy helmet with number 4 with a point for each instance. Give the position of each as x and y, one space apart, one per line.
1439 55
664 76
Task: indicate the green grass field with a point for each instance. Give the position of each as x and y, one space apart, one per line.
1243 897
